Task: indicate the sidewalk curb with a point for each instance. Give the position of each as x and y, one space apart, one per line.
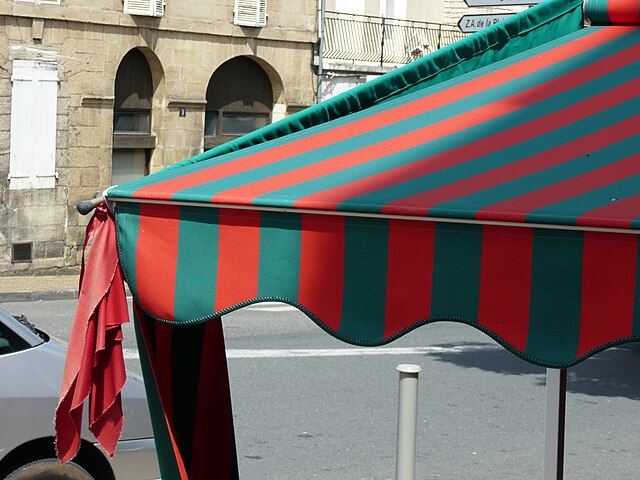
8 297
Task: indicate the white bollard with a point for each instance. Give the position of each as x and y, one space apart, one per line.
407 421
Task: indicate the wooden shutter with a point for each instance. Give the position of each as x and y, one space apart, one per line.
250 13
149 8
34 97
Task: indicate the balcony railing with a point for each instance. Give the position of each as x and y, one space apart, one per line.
363 38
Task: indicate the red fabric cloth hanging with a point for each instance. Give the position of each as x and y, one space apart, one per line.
94 367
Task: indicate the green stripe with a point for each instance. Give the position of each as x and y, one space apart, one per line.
197 263
456 271
636 310
597 11
556 296
164 449
365 279
279 268
127 228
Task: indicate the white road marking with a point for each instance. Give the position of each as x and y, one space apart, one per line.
130 353
272 307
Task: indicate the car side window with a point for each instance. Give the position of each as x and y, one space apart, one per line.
10 342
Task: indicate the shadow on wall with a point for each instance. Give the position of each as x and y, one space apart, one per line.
612 373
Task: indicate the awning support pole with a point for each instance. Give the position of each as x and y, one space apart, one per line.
407 421
554 425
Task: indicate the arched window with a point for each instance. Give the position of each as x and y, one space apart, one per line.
133 95
132 139
239 100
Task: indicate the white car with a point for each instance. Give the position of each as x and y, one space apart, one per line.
31 365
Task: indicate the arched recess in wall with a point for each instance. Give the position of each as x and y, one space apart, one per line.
241 96
136 84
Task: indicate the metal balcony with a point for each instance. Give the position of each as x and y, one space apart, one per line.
379 40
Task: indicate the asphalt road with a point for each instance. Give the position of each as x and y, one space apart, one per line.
307 406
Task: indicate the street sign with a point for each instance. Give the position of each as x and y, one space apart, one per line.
474 23
498 3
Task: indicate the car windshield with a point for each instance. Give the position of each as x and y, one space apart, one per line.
17 333
10 341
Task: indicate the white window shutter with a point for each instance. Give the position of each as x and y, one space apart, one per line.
149 8
158 8
34 97
250 13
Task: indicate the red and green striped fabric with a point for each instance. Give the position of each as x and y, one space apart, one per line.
365 244
495 183
548 137
551 296
612 12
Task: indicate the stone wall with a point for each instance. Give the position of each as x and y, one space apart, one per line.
88 40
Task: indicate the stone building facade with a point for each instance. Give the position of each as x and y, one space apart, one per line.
109 89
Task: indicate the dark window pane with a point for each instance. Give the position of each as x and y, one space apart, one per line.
239 124
210 121
131 122
128 165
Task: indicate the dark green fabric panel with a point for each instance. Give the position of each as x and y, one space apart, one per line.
556 296
164 450
185 359
544 22
365 279
279 269
127 228
196 274
596 11
456 271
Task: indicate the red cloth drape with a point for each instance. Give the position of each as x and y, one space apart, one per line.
94 367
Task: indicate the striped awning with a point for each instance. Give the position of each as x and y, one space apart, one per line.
507 198
495 183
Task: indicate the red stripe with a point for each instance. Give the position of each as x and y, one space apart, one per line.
238 257
608 289
156 259
517 208
329 199
164 190
505 283
623 12
322 268
618 214
527 166
409 274
162 392
214 414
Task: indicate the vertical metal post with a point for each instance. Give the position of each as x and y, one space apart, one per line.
554 425
407 420
321 22
382 43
